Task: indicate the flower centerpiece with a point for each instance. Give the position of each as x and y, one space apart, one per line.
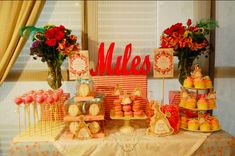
188 41
52 44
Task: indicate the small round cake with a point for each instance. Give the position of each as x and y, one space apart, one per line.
193 124
74 110
211 103
128 114
208 82
215 124
190 103
94 109
126 108
199 83
202 104
136 108
117 102
184 122
188 82
205 126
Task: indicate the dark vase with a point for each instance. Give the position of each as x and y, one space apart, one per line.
54 77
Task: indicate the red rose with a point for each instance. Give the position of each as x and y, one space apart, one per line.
189 22
168 31
59 35
51 42
182 30
175 27
49 34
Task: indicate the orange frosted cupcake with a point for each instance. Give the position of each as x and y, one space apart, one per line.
193 124
208 82
211 103
202 104
188 82
215 124
191 103
199 83
205 126
126 108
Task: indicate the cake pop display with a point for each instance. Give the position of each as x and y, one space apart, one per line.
18 102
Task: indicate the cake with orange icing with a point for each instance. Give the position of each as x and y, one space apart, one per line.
211 103
202 103
188 82
184 122
199 83
205 126
193 124
208 82
190 103
215 124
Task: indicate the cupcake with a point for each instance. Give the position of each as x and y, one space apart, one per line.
126 108
205 126
215 124
183 102
117 102
190 103
188 82
211 103
202 104
128 114
193 124
208 82
199 83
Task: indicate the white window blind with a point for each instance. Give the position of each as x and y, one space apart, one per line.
67 13
126 22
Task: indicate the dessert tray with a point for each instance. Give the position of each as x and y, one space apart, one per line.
203 131
126 128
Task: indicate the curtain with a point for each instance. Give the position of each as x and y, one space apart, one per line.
13 15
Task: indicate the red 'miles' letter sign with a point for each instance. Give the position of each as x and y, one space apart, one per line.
105 64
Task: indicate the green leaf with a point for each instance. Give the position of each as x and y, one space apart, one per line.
30 29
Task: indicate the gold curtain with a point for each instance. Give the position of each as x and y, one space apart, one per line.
13 15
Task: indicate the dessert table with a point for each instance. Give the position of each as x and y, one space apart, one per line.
136 143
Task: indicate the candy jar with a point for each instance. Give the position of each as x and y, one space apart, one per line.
85 88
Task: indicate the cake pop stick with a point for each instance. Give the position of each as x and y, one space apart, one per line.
60 94
18 101
45 111
40 100
50 101
35 118
56 99
28 100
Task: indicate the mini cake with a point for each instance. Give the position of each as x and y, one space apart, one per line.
215 124
205 126
139 114
94 109
208 82
199 83
126 108
211 103
118 108
118 113
184 122
183 102
202 104
128 114
193 124
190 103
188 82
136 102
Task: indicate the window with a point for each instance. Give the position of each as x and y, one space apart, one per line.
67 13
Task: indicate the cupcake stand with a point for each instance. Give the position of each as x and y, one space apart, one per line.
126 128
198 91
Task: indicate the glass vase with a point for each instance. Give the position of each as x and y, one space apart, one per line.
54 77
185 66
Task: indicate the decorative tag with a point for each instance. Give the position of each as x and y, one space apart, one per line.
163 63
79 65
83 131
159 125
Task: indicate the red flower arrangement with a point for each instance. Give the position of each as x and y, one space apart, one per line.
189 41
52 44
